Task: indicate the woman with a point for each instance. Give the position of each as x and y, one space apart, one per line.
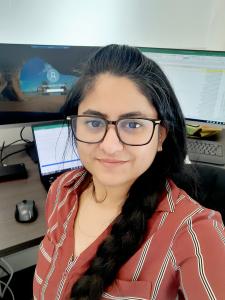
120 228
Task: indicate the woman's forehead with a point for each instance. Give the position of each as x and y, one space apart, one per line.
116 95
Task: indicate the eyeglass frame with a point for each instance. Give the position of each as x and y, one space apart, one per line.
109 122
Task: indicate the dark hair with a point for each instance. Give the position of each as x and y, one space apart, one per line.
129 228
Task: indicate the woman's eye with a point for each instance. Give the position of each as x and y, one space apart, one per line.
130 124
133 125
95 123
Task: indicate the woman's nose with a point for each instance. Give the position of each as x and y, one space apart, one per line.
111 142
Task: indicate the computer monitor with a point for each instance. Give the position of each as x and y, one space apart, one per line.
198 79
35 80
34 83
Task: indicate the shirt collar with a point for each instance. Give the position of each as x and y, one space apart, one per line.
74 176
168 198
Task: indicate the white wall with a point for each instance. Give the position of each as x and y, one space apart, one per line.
174 23
198 24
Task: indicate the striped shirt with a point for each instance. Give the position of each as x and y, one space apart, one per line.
182 256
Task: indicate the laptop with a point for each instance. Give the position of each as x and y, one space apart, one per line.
55 150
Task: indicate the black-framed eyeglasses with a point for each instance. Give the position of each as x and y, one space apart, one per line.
130 131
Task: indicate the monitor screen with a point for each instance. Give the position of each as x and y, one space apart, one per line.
35 80
198 79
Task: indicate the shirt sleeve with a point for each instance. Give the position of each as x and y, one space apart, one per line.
199 253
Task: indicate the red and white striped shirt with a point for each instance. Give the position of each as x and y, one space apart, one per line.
182 257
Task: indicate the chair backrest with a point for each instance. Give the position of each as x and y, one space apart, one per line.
206 184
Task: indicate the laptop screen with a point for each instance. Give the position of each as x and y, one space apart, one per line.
56 153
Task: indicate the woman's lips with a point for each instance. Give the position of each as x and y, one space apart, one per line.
111 162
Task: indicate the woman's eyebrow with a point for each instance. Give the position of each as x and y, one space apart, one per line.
94 113
131 114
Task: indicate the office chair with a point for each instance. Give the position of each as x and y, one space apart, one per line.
205 184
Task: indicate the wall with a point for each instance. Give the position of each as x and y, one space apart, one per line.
174 23
158 23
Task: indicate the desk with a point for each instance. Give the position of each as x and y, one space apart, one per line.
16 236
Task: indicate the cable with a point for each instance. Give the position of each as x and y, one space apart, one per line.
9 280
12 143
4 270
6 288
22 138
6 146
1 153
10 154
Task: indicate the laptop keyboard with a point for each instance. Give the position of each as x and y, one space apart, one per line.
206 151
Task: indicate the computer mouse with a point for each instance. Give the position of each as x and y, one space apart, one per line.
26 211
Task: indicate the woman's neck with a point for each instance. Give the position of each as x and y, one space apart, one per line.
109 196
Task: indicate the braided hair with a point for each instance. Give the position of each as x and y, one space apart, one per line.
129 228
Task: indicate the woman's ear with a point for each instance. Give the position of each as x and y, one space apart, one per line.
162 136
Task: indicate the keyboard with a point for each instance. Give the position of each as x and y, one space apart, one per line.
206 151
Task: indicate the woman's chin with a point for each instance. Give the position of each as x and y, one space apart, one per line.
112 180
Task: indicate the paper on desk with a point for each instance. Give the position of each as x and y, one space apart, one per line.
201 131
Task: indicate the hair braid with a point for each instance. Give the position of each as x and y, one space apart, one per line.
127 233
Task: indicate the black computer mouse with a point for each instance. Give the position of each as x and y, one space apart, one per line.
26 211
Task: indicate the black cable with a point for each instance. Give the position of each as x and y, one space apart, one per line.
22 138
1 153
12 143
6 146
10 154
4 270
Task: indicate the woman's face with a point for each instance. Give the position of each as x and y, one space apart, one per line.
111 162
